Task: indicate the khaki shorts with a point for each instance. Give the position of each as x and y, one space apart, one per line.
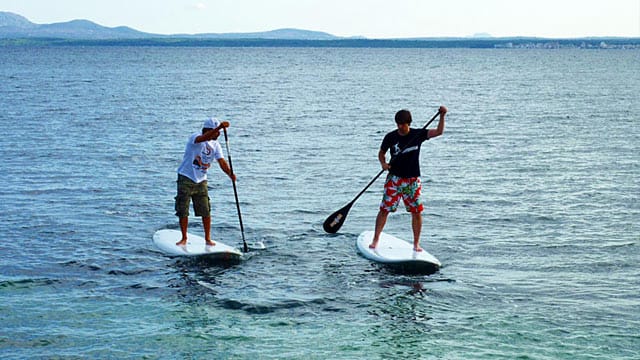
188 190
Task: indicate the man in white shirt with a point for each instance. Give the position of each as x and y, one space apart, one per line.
200 152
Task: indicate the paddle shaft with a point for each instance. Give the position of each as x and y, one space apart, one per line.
235 191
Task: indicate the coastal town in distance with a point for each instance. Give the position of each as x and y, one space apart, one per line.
567 45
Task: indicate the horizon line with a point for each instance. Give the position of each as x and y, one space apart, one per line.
475 36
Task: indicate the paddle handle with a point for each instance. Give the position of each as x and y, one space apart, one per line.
235 191
433 118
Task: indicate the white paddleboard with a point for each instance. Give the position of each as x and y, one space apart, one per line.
396 252
166 240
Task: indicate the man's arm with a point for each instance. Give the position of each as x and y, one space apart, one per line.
440 129
212 134
382 157
226 168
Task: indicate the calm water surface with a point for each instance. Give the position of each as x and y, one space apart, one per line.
532 203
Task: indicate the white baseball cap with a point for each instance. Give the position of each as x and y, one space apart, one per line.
211 123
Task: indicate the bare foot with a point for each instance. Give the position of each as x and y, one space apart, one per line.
418 249
210 243
182 242
373 245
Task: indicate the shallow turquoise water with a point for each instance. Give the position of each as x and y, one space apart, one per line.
532 203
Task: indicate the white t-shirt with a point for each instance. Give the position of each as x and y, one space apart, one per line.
198 158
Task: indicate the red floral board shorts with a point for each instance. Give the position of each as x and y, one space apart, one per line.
407 189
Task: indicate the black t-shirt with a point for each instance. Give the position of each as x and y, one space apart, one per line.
407 163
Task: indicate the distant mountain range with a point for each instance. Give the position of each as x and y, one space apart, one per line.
16 30
14 26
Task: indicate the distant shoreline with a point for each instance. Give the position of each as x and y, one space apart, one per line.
488 43
16 30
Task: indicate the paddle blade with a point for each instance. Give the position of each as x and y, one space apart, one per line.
334 221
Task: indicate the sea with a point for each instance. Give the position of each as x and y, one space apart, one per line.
531 203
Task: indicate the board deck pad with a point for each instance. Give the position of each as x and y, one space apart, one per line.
396 253
166 240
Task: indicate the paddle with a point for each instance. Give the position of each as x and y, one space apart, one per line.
235 192
334 221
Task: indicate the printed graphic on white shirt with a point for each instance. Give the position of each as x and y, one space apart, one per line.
202 162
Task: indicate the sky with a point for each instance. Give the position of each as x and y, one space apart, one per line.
379 19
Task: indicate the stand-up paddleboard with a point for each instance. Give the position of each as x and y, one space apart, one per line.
166 240
396 253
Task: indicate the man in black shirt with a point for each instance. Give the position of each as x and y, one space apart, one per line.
403 181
